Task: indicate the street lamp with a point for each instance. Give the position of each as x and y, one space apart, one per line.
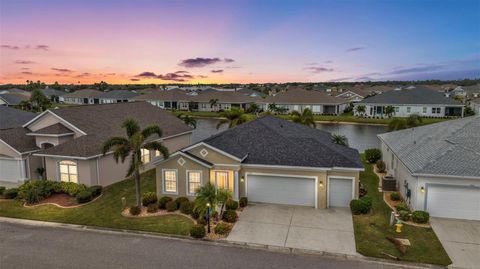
208 217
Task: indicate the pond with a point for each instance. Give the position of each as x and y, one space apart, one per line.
359 136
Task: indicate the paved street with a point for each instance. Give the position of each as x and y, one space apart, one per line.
25 246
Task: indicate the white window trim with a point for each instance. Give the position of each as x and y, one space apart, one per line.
163 181
343 177
59 174
215 178
187 180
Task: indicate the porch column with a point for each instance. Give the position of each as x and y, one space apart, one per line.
235 186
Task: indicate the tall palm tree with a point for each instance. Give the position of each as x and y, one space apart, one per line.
131 147
360 109
305 118
207 193
389 111
223 196
233 117
188 120
340 139
213 102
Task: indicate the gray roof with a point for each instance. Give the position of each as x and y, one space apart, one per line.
118 94
450 148
52 92
13 98
272 141
55 129
11 117
18 139
411 96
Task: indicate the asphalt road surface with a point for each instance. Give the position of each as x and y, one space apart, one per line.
26 246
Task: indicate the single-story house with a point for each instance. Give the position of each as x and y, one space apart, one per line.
268 160
116 96
437 167
475 105
418 100
351 96
55 96
12 99
83 97
68 142
11 117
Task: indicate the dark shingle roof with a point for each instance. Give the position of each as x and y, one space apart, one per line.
13 98
18 139
11 117
411 96
52 92
87 93
118 94
57 128
272 141
301 96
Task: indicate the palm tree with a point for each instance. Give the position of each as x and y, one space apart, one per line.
213 102
131 147
305 118
253 108
413 120
389 111
397 124
188 120
205 194
361 109
233 117
340 139
223 197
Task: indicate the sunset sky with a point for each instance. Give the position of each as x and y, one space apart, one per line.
237 41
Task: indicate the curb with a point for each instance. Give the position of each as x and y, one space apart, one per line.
222 242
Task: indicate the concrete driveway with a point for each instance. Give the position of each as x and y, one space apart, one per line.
461 240
328 230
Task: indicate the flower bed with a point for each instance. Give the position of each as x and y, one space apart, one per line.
62 200
392 204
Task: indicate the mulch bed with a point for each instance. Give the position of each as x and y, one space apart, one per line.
391 203
60 199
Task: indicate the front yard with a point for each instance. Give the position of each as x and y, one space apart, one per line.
105 212
372 229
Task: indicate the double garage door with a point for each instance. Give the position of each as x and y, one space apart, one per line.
458 202
291 190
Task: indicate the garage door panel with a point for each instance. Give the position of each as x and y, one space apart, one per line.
281 190
340 192
453 202
10 170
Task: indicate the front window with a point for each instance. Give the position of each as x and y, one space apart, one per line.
68 171
424 110
145 155
435 110
170 181
408 109
194 181
221 179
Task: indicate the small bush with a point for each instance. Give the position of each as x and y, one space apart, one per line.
395 196
420 216
32 196
162 203
197 231
231 205
2 190
202 221
186 207
373 155
149 198
230 216
152 208
402 207
368 201
404 215
70 188
243 201
222 228
44 188
96 190
361 206
171 206
380 166
195 214
135 210
11 193
180 200
84 197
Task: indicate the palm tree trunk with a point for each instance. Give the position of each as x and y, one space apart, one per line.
137 189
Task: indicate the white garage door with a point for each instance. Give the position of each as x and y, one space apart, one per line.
11 170
340 192
281 190
453 202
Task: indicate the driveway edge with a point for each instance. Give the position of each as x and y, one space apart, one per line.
222 242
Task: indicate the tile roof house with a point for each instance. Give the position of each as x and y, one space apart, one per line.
418 100
83 97
267 160
12 117
436 166
68 142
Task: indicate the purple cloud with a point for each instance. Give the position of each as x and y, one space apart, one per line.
146 75
355 49
427 68
228 60
176 76
27 73
10 47
63 70
319 69
217 71
134 79
24 62
83 75
198 62
328 62
42 47
202 76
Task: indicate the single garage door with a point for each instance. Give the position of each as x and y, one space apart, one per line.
11 170
281 190
340 192
453 202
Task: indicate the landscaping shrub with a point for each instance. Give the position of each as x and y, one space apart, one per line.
368 201
404 215
230 216
180 200
32 196
171 206
373 155
2 190
243 201
380 166
186 207
11 193
43 188
402 207
195 214
149 198
214 214
197 231
70 188
222 228
152 208
162 203
395 196
361 206
202 221
420 216
84 197
96 190
135 210
231 205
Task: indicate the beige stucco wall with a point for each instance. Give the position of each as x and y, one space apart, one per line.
178 142
47 120
7 151
213 156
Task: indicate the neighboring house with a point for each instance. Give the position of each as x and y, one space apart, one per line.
268 160
116 96
458 91
12 118
475 105
55 96
15 90
437 167
12 99
83 97
68 141
422 101
351 96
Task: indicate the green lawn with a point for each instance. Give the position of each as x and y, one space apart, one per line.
105 212
371 230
